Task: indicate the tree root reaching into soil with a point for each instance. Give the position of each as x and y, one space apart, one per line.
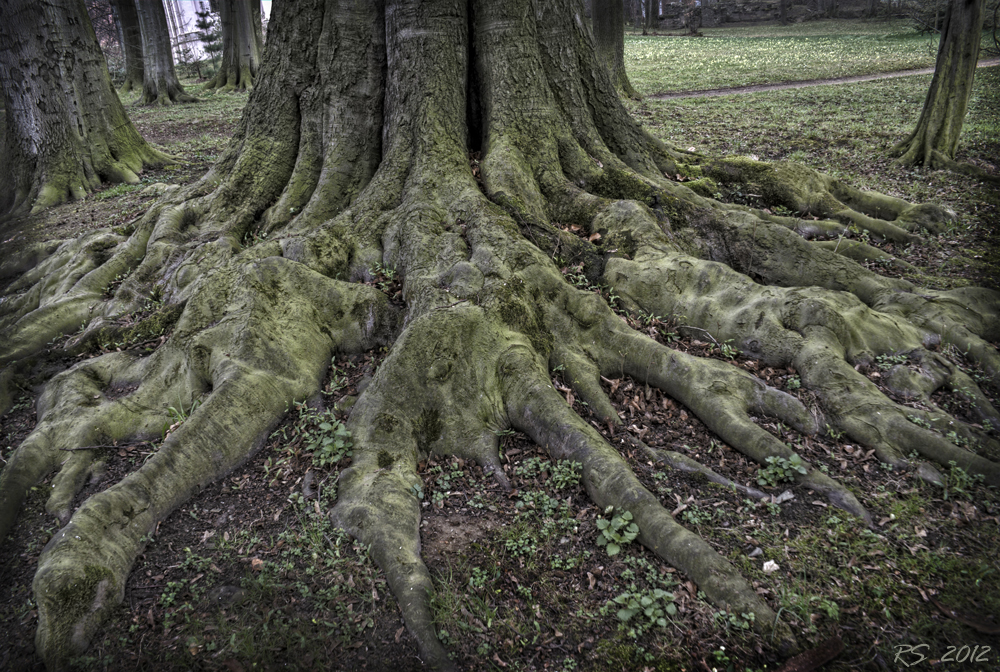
257 271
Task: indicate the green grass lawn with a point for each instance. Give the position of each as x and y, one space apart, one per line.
768 54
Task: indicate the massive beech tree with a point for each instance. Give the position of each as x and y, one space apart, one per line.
160 85
934 141
361 145
66 130
242 44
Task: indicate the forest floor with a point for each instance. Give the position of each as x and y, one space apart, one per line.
249 575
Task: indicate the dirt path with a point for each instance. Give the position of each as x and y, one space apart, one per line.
986 63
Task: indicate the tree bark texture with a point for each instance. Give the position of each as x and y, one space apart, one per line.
242 44
934 141
160 85
456 142
131 34
66 129
609 35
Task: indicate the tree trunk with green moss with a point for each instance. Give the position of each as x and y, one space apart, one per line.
609 35
128 18
456 144
66 130
160 85
934 141
242 44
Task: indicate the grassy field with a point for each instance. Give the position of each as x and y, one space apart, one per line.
768 54
249 575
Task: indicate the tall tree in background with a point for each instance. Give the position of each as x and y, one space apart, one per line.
934 141
354 152
66 129
608 19
128 18
208 35
160 85
242 44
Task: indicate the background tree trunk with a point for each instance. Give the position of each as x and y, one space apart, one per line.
128 19
934 141
609 35
242 44
66 129
160 85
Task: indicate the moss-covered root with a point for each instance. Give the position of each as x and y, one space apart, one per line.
437 392
269 345
675 460
856 406
378 504
537 409
76 423
802 189
724 397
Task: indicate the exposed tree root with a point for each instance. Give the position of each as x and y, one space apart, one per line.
260 261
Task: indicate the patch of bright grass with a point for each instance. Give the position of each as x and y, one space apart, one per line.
767 54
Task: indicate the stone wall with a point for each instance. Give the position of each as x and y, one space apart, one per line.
714 13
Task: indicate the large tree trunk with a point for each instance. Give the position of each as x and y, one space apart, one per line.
242 43
131 33
609 35
456 142
66 129
934 141
160 85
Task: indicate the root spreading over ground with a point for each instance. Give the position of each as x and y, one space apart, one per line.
467 183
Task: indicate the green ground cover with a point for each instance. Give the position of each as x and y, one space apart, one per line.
768 54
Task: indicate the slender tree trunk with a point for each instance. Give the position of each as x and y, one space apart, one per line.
934 141
131 33
160 84
242 44
66 129
783 12
609 36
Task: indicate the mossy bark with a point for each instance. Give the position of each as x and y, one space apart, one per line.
66 130
342 163
934 141
242 45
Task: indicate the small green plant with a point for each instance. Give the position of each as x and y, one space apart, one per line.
886 362
729 351
793 383
960 482
384 277
651 607
697 516
728 620
616 532
780 470
566 474
833 433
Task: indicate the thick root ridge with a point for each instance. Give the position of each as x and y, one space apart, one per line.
248 362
